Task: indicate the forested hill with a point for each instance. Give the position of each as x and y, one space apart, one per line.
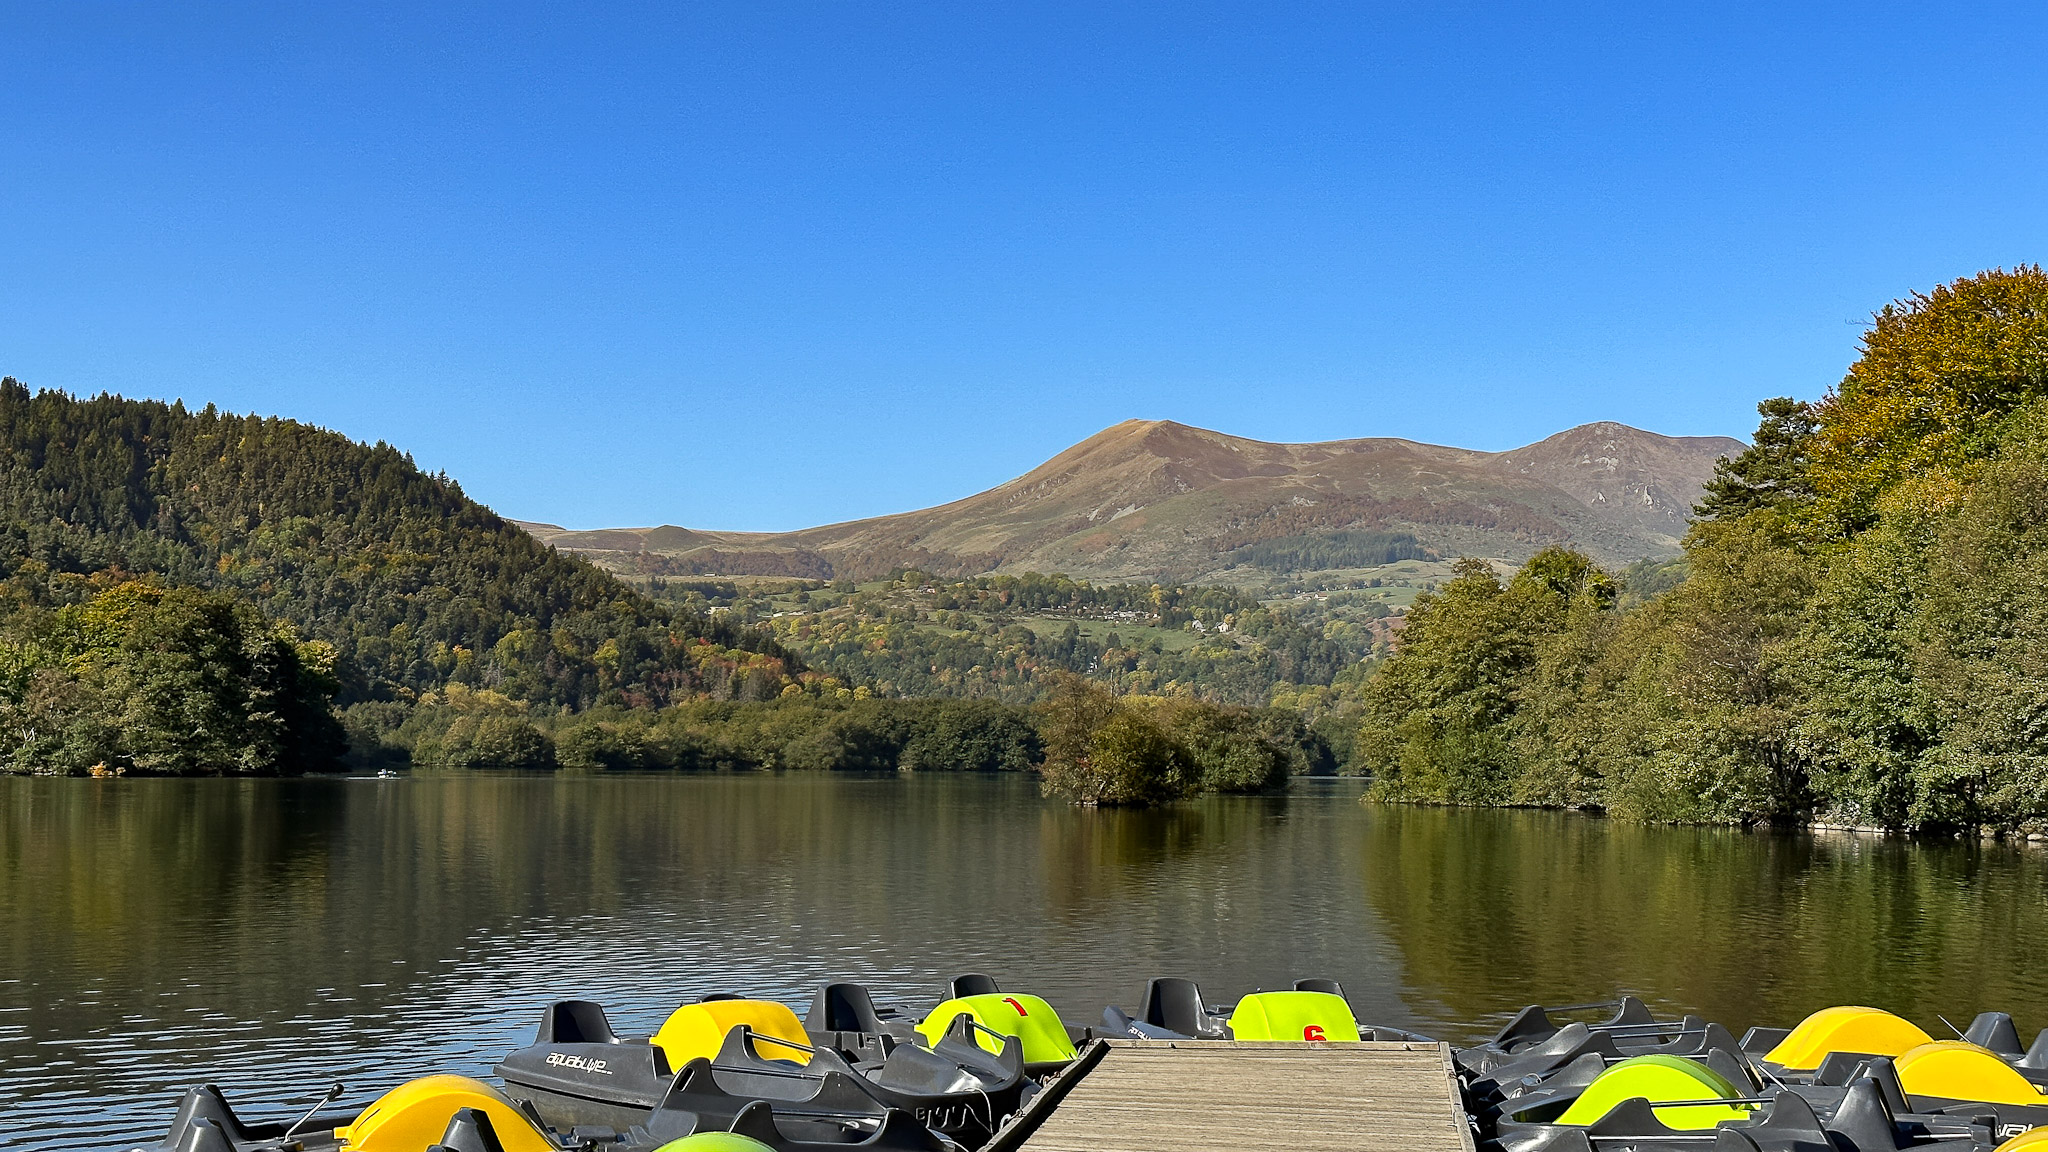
413 584
1858 634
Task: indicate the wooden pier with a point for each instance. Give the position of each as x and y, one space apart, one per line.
1216 1096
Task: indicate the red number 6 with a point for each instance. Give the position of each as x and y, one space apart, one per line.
1012 1002
1313 1032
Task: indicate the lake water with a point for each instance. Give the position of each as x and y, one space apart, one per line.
275 936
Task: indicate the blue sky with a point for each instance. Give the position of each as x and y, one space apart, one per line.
761 266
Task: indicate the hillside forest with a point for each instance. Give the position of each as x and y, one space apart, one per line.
1856 634
1001 636
1856 631
194 592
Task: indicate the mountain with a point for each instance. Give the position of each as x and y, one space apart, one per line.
413 585
1158 500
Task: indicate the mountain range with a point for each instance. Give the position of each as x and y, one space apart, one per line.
1158 500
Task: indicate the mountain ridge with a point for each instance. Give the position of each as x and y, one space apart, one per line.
1158 499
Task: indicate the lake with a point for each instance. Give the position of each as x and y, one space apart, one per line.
274 936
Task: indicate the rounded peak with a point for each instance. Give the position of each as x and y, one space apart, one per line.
1135 432
1141 426
1598 428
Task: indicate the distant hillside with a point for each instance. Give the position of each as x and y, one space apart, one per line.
415 585
1154 499
1006 637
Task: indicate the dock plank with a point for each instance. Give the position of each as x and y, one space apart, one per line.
1216 1096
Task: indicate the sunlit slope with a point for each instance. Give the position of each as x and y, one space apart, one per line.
1155 499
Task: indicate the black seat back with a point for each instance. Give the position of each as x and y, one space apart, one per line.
1790 1115
843 1007
200 1134
971 984
207 1103
1176 1004
1994 1030
1531 1023
1330 986
1864 1120
575 1022
469 1130
1885 1075
2037 1056
1631 1011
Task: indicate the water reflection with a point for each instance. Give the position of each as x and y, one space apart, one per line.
277 935
281 934
1492 909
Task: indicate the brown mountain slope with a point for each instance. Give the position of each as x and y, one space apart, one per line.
1152 499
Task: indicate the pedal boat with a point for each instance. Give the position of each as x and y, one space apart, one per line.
458 1114
1851 1033
578 1071
1313 1010
1663 1103
1533 1044
1949 1090
844 1017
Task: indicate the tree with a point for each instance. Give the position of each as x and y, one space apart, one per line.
1234 750
1131 762
1440 718
1698 702
1102 751
1979 648
1939 379
140 678
1772 471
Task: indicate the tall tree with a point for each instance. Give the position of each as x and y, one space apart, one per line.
1772 471
1939 379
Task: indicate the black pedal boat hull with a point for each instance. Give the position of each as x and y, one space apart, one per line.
957 1088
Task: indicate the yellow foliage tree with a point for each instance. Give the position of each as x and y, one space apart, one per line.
1940 377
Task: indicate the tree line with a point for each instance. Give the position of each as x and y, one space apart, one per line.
1856 634
189 591
1207 747
1353 549
1007 637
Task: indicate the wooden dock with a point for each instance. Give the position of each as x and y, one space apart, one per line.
1216 1096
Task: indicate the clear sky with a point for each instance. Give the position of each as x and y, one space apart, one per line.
761 266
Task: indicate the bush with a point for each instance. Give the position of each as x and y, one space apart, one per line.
1130 761
135 677
1231 749
1142 751
594 745
464 728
